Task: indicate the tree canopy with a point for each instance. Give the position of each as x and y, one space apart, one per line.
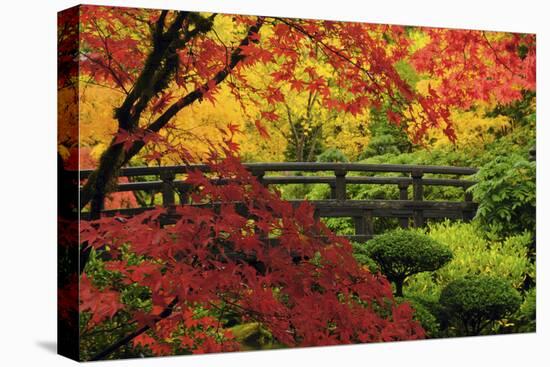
164 61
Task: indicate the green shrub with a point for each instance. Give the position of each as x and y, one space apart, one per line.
422 314
526 316
445 156
506 194
474 302
341 226
474 254
385 137
135 297
254 336
402 253
361 254
293 191
332 155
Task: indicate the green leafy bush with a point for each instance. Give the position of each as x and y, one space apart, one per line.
424 316
526 316
135 297
445 156
293 191
332 155
476 301
360 253
402 253
506 194
473 253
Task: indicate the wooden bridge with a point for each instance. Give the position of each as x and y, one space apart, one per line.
170 182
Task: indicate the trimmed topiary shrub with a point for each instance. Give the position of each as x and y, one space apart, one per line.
474 302
401 253
332 155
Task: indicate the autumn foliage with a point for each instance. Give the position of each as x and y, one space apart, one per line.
304 286
238 249
350 67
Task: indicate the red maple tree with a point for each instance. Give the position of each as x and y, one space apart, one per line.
243 251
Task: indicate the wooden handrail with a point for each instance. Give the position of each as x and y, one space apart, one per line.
281 180
362 211
299 166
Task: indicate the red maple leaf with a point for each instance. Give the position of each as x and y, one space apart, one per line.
261 129
269 115
102 304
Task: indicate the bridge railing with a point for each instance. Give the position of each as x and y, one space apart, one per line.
337 176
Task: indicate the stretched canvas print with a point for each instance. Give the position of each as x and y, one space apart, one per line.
237 182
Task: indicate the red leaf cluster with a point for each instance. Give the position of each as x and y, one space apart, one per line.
102 304
242 249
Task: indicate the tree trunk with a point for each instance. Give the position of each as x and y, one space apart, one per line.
101 179
114 157
399 288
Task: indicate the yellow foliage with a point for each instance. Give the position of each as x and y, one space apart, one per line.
97 122
340 130
423 85
418 39
349 135
197 126
67 116
472 128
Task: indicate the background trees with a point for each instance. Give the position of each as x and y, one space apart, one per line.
165 61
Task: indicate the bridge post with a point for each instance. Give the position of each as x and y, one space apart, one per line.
403 195
468 215
359 224
369 224
316 214
259 173
332 191
418 195
364 223
340 189
183 192
168 194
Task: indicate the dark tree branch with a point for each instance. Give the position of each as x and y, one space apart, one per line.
128 338
197 94
95 188
314 140
115 156
161 44
159 26
291 123
330 49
